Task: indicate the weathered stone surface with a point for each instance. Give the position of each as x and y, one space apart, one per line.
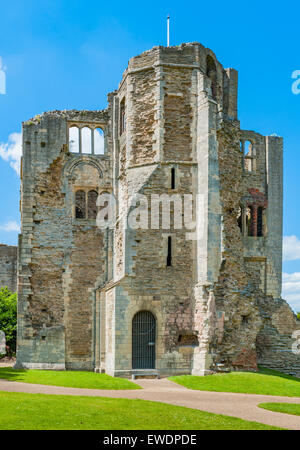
8 267
62 258
218 306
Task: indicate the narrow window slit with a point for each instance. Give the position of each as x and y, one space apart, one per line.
169 257
173 178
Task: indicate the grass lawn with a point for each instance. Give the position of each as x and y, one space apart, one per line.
265 382
87 380
58 412
287 408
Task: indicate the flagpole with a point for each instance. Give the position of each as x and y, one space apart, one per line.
168 31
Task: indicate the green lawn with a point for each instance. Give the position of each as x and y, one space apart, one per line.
265 382
287 408
52 412
87 380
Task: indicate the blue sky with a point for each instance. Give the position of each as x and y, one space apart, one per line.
70 54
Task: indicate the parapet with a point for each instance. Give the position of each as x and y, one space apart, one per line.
192 56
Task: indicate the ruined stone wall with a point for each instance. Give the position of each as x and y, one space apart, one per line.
252 324
277 343
8 267
62 257
266 181
236 290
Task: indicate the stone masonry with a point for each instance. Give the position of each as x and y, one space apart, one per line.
8 267
86 295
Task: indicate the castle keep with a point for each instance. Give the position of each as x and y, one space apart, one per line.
126 300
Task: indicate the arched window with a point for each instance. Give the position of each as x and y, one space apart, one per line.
98 142
211 72
252 214
143 340
86 140
255 220
86 204
260 221
92 207
80 205
74 140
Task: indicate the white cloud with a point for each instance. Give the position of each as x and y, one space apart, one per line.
10 226
291 248
291 289
11 151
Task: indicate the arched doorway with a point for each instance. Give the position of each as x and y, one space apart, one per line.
143 340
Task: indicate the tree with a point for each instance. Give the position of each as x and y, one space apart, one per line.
8 318
298 315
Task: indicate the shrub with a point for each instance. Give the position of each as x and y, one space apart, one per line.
8 319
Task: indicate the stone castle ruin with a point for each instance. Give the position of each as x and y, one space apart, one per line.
127 300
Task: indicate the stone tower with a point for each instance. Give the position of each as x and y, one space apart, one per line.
159 297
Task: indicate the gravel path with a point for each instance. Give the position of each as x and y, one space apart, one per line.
243 406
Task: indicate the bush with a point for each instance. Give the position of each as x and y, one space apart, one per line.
298 315
8 319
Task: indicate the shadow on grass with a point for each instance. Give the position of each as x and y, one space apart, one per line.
275 373
9 374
